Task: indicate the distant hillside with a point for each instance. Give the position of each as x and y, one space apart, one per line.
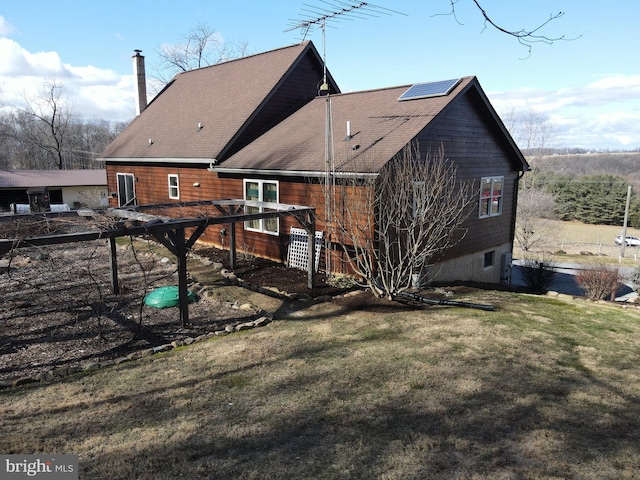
624 164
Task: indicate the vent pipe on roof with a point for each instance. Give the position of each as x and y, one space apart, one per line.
141 81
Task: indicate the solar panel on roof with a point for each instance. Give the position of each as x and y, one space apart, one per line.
430 89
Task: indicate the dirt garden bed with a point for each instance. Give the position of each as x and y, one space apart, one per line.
58 310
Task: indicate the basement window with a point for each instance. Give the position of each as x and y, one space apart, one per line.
174 187
491 196
261 191
489 259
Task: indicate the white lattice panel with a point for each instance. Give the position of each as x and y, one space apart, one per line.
298 254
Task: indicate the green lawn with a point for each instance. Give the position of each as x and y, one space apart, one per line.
541 388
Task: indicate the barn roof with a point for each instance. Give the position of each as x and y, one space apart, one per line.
51 178
209 112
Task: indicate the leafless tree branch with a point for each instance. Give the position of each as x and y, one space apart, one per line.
524 36
200 47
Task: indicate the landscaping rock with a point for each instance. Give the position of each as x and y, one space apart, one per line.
134 355
43 376
244 326
262 321
23 381
60 372
163 348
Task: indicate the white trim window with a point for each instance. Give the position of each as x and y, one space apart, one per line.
491 196
261 191
174 186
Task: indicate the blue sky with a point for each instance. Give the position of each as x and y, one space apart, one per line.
588 87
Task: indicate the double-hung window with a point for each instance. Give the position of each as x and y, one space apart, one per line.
261 191
174 186
491 196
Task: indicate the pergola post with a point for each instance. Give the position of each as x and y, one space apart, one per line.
232 245
311 246
181 254
114 266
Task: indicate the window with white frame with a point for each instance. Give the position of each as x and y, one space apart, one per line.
261 191
174 186
491 196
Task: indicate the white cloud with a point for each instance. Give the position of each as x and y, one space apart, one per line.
601 114
16 61
92 92
5 27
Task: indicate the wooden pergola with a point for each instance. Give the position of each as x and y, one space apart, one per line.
171 232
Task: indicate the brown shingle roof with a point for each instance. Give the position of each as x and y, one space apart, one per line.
51 178
222 99
380 126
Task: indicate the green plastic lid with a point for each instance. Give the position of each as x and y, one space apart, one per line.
164 297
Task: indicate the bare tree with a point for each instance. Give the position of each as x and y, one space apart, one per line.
201 47
395 225
533 228
532 132
49 133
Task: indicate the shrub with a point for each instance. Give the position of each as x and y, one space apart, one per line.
635 277
537 275
599 280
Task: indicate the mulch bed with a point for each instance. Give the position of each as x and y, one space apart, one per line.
57 308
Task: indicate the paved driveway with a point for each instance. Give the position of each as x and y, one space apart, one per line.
564 280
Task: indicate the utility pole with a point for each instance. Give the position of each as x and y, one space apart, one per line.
624 225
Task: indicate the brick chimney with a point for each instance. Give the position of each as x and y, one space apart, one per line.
141 81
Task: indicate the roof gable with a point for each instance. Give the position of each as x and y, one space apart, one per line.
205 113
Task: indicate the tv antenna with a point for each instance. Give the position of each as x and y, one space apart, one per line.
314 17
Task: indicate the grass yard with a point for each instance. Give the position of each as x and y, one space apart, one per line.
542 388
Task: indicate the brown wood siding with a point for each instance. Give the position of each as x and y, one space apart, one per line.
477 152
152 188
